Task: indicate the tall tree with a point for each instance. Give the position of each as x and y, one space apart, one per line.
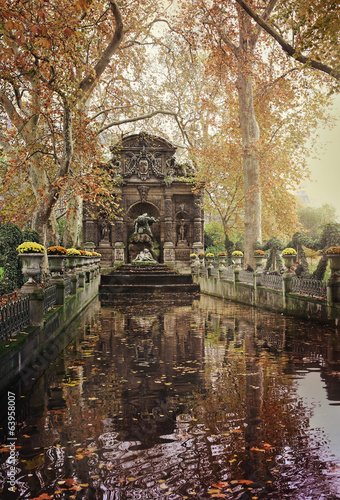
64 71
268 88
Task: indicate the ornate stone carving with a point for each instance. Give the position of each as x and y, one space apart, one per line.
119 230
91 231
143 192
168 255
143 165
168 207
197 206
182 254
168 231
197 231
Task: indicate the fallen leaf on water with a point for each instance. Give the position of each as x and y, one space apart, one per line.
220 484
245 481
69 481
44 496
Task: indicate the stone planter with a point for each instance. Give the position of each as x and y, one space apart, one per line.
210 259
238 261
221 260
288 260
334 262
56 264
71 262
31 264
258 259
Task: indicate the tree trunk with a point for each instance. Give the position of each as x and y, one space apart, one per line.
251 165
73 220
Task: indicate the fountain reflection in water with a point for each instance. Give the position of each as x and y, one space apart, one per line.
158 400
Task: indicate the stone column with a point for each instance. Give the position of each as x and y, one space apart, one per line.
198 245
74 283
60 285
36 297
168 247
287 285
119 251
91 234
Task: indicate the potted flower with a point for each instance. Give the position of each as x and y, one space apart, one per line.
289 256
56 256
210 257
201 256
237 257
31 254
258 258
333 254
72 257
193 256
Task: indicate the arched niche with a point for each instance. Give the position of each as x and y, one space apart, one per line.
133 247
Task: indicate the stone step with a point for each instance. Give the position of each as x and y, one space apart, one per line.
146 303
144 269
148 281
145 279
105 290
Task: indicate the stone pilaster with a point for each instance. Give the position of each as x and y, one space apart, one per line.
169 247
36 297
198 245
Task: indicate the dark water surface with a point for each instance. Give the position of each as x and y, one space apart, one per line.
205 400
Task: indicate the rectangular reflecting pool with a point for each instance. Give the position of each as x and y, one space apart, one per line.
180 399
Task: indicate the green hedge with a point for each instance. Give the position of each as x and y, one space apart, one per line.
10 238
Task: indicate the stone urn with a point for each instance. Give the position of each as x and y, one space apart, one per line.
221 260
288 260
56 264
333 255
201 257
210 258
31 264
238 260
258 259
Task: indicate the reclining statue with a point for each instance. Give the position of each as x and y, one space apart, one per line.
144 256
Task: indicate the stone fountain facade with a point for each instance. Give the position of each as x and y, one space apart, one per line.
152 183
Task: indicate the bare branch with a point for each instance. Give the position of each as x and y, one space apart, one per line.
136 119
228 42
286 46
268 10
89 82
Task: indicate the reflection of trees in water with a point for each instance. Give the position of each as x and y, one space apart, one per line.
229 412
252 408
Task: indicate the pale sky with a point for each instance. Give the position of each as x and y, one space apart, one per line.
326 171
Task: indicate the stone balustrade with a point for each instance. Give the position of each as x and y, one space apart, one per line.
305 298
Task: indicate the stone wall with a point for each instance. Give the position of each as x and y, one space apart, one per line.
293 304
29 352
